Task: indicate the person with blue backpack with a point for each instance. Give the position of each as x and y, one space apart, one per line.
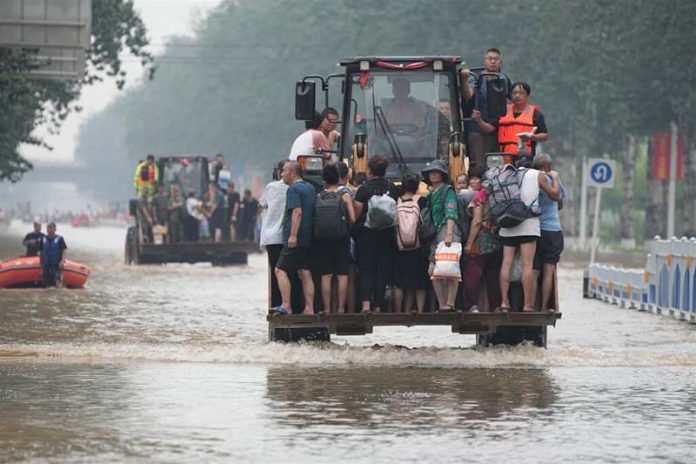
333 216
52 254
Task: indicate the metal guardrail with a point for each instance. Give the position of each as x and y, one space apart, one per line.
667 285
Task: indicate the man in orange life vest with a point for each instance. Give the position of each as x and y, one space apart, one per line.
521 118
146 176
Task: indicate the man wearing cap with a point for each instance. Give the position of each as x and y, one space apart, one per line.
33 239
146 177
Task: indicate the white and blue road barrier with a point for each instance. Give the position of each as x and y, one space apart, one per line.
667 285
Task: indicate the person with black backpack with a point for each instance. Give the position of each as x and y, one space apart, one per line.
375 210
333 216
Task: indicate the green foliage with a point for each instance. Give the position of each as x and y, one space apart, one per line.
599 69
28 103
116 29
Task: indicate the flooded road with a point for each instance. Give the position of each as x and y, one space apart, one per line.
171 364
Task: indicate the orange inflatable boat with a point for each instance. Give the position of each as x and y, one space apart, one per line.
27 272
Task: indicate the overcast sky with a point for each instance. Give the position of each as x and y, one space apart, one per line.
163 18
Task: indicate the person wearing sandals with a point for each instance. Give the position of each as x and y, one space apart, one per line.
482 248
375 247
525 237
294 258
411 265
442 201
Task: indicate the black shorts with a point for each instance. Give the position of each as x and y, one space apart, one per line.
292 260
549 249
517 241
332 256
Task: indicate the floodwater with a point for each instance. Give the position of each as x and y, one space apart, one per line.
171 364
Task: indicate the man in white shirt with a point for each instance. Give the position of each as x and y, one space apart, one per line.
196 212
272 202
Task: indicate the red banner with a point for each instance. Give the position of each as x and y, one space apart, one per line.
660 154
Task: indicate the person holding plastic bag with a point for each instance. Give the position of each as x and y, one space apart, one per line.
446 248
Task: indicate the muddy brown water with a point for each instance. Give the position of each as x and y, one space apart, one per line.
171 364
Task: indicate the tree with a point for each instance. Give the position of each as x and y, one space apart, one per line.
28 103
598 80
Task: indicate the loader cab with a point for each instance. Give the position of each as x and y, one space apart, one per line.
188 173
404 108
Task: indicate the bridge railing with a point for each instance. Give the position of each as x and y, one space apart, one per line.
666 285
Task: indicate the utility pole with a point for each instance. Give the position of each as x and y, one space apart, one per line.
583 205
673 160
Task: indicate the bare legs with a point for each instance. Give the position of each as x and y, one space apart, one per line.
284 287
445 290
307 288
547 285
342 292
404 299
528 281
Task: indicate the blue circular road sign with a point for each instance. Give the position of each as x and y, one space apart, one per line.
601 172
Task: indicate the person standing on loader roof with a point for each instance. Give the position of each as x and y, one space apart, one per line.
146 177
298 220
480 141
521 118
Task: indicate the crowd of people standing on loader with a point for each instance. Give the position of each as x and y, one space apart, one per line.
168 215
342 231
384 243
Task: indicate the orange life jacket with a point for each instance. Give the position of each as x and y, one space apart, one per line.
509 126
146 177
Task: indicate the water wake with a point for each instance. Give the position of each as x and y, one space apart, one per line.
330 354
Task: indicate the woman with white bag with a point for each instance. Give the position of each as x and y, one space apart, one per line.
446 248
